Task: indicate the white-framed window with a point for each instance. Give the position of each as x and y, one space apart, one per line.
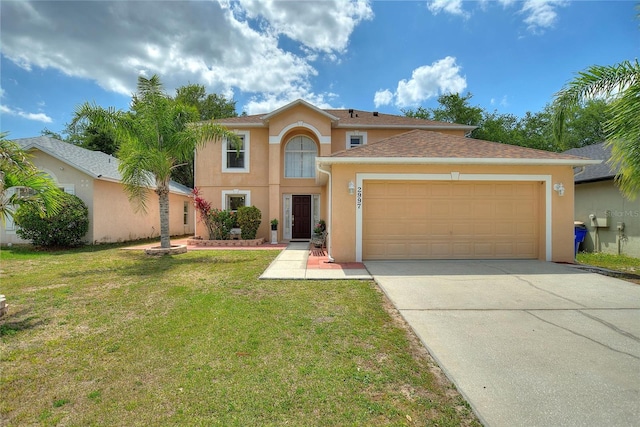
356 139
185 213
236 159
299 158
234 199
23 193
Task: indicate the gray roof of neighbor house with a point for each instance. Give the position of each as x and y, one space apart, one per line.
96 164
599 172
422 146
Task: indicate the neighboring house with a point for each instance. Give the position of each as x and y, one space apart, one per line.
613 221
93 176
392 187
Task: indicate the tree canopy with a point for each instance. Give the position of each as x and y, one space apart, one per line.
83 132
533 130
619 86
154 138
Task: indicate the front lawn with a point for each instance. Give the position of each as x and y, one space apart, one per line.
104 336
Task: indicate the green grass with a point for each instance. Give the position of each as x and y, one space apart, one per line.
610 261
104 336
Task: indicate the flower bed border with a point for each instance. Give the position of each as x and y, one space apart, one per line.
225 243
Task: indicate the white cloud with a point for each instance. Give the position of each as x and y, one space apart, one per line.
427 81
453 7
503 102
270 102
227 46
38 117
320 25
383 97
539 14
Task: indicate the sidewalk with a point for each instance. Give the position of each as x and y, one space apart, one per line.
300 261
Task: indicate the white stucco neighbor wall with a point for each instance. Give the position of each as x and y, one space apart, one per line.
112 218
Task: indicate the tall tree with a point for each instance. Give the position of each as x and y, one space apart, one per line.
453 109
155 138
209 106
17 171
619 85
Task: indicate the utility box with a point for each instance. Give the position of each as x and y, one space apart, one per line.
598 221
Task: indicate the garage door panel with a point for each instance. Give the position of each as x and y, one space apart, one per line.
461 209
443 220
440 210
440 190
462 190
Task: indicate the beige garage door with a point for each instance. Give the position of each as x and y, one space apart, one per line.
450 220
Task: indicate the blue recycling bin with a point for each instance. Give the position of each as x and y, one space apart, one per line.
580 231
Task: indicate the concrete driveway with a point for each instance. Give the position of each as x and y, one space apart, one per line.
528 343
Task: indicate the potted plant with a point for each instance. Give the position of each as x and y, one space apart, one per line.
274 231
319 234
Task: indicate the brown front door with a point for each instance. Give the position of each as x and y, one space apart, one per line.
301 228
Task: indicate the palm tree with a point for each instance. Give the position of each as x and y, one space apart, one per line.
155 137
620 85
17 171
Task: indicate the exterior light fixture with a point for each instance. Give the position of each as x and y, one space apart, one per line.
352 187
559 188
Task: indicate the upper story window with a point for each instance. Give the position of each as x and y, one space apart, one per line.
236 159
299 158
356 139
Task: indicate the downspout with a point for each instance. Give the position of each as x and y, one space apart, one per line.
329 239
582 169
195 214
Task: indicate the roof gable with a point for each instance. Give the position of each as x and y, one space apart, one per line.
346 118
295 103
96 164
428 146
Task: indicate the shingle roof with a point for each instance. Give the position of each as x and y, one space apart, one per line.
428 144
361 118
96 164
599 172
350 118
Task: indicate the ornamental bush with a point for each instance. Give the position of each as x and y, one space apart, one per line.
220 224
66 229
249 219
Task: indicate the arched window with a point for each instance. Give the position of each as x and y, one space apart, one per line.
299 158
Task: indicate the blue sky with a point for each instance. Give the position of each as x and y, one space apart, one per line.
372 55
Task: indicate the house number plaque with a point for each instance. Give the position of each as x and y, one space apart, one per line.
359 198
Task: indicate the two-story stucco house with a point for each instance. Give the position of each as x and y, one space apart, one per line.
392 187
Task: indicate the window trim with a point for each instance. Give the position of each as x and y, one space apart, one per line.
235 192
247 152
185 213
362 135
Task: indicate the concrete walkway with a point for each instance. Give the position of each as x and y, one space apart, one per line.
299 261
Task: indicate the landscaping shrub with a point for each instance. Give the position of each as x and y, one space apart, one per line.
66 228
220 224
249 218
